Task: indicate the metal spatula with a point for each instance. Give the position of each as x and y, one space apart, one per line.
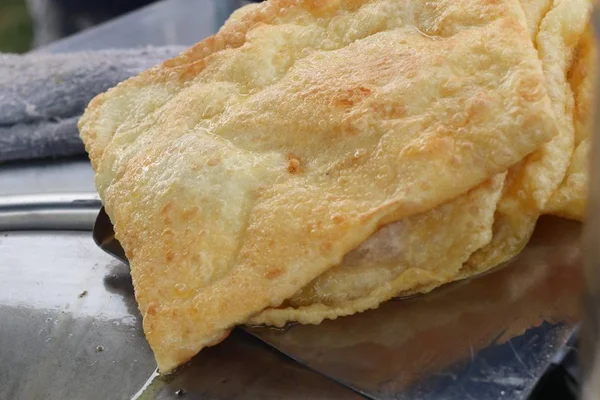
484 338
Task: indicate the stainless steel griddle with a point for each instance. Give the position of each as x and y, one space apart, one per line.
71 329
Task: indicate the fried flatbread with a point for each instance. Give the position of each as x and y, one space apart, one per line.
409 338
570 199
364 282
531 183
415 254
243 169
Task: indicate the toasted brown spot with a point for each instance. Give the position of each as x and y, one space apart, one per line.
326 246
337 218
350 97
152 308
273 273
169 255
293 164
322 8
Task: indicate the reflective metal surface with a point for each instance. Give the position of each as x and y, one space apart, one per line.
61 298
72 211
41 177
70 329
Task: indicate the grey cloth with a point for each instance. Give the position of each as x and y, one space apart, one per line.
43 95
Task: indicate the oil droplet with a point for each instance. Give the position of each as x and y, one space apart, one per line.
151 388
99 349
180 287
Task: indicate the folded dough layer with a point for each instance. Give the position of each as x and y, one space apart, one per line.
240 171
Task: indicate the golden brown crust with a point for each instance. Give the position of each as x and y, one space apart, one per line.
352 286
389 108
570 199
531 184
404 256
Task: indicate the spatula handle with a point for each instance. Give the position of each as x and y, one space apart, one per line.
70 211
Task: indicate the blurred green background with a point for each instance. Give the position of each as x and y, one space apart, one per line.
16 31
